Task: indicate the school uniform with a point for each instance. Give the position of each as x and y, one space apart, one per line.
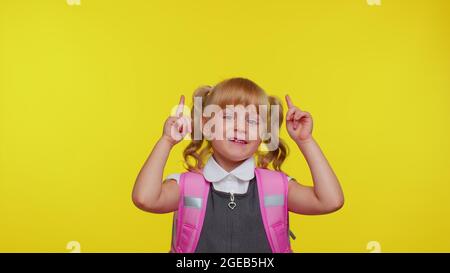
231 229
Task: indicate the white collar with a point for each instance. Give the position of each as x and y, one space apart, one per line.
213 172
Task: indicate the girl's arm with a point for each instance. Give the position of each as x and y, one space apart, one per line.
149 194
326 195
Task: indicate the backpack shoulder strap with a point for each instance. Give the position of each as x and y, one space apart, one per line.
188 220
273 193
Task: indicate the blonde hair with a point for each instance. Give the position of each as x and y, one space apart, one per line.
235 91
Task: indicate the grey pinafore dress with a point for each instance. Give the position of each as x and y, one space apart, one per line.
238 230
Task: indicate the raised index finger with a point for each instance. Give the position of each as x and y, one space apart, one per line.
289 102
180 108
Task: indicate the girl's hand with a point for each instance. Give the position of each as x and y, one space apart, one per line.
299 124
178 126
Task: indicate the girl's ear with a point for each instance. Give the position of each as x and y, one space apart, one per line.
204 133
265 136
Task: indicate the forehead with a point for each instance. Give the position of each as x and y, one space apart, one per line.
241 109
233 95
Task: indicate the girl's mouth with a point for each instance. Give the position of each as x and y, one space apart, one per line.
238 141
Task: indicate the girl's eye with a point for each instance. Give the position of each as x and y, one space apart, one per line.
252 122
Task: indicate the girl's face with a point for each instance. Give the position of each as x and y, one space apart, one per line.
236 135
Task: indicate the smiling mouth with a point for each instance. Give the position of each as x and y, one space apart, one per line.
236 140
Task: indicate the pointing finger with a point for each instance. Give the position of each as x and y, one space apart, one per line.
180 107
289 102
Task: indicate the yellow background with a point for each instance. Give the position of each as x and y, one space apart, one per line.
84 92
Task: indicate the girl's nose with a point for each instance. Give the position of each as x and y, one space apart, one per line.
240 130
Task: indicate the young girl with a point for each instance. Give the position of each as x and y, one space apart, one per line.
229 200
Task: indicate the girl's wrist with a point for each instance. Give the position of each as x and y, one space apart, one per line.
303 142
166 141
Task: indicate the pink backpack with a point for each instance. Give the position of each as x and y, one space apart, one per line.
188 219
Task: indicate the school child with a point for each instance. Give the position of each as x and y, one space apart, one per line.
234 197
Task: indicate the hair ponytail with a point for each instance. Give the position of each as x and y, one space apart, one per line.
277 156
194 151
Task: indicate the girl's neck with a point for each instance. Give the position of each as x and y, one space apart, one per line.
226 164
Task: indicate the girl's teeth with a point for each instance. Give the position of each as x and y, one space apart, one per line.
238 141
